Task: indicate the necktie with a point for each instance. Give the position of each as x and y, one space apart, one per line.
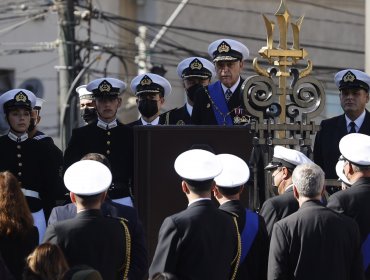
352 127
228 94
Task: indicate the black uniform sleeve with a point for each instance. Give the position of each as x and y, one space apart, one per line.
165 258
73 152
269 215
200 98
139 260
317 153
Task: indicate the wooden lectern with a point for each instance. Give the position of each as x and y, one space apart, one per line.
157 188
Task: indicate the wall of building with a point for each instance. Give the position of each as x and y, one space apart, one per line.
332 32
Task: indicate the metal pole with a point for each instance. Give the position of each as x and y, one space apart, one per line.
66 51
141 59
367 36
163 30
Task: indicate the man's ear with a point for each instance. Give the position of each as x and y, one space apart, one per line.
73 197
119 101
241 189
184 187
216 192
103 197
286 173
38 119
162 100
350 168
295 192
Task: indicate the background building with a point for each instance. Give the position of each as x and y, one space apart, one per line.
117 38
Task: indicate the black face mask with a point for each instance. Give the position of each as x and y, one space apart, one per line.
89 114
191 91
32 125
148 108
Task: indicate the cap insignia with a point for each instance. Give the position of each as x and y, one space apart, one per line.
223 47
349 77
196 64
145 81
105 86
20 97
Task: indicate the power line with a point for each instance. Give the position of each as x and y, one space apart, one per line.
223 34
256 12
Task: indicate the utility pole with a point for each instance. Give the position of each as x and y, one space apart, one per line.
367 36
66 69
141 59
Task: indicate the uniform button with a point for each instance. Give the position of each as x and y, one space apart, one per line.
108 152
19 155
108 142
19 146
108 133
20 164
19 173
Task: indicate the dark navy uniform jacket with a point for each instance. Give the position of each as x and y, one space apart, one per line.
162 121
30 162
139 255
180 116
93 240
355 203
326 149
203 113
278 207
197 243
57 155
115 143
254 266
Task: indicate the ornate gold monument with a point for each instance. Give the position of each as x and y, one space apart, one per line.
282 99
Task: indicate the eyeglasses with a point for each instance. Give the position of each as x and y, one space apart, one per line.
342 158
273 175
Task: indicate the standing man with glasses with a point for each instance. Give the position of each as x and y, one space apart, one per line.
283 163
354 95
221 103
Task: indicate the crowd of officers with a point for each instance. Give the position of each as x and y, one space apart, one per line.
298 234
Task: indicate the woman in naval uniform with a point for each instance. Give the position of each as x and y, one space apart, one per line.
27 158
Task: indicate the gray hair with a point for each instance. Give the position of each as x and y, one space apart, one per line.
309 179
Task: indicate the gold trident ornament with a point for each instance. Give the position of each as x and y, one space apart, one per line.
282 56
